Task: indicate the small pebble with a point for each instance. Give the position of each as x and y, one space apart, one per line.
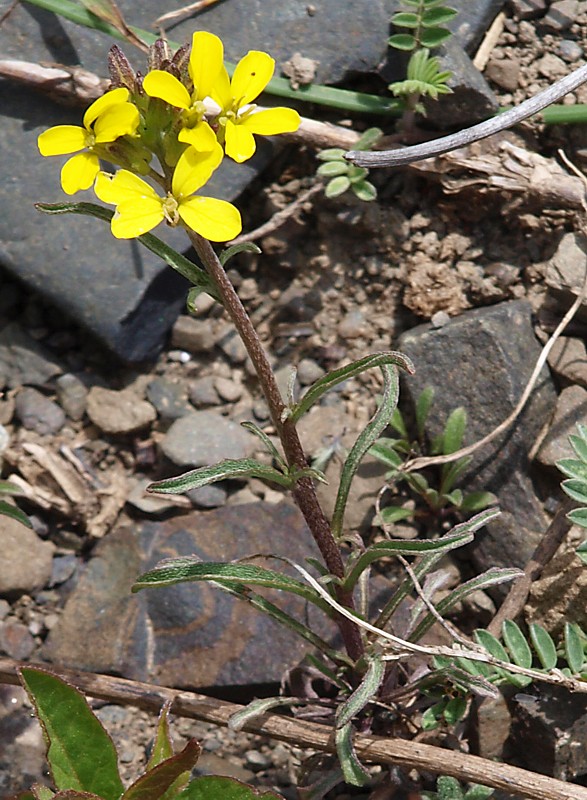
229 390
72 395
16 640
233 348
202 392
569 50
352 325
440 319
309 371
257 760
39 413
192 335
212 496
62 569
4 609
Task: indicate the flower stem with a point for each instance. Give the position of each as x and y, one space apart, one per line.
304 492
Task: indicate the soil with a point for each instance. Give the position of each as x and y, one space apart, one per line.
340 279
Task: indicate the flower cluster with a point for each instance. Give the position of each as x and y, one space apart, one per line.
187 114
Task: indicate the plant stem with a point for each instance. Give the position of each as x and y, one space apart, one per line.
304 492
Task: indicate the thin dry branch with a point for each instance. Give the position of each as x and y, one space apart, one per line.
185 11
303 733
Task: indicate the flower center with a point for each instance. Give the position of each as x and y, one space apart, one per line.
171 210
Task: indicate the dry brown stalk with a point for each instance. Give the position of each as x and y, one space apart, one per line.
303 733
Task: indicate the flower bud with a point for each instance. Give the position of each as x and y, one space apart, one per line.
121 72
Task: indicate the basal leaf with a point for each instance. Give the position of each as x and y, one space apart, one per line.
331 154
173 773
365 191
455 710
517 645
391 514
454 430
423 406
7 487
449 788
352 769
369 139
477 501
493 646
363 694
331 169
544 646
80 753
574 648
229 468
217 787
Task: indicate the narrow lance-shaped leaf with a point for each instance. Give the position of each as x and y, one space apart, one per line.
352 769
80 753
337 376
194 274
162 746
366 438
363 694
230 468
173 772
259 707
13 512
235 249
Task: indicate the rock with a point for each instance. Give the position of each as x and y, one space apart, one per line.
203 392
549 730
193 335
566 272
309 371
212 496
39 413
491 727
15 640
505 72
233 348
204 438
23 361
149 503
568 358
300 70
352 325
482 361
26 560
551 67
192 634
63 568
170 399
4 441
72 395
570 51
230 391
472 21
561 15
571 407
119 412
528 9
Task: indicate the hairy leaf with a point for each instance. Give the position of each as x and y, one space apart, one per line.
229 468
337 186
353 771
544 646
574 648
235 249
363 694
516 643
257 708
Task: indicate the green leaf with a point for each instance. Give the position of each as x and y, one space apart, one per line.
172 772
455 710
270 447
391 514
573 468
574 648
363 694
170 571
194 274
383 451
405 19
357 174
479 792
398 423
433 37
455 497
493 646
229 468
333 378
576 489
452 472
365 191
369 139
258 707
423 406
437 16
235 249
449 788
454 431
431 716
330 169
43 792
8 510
517 645
581 551
217 787
578 516
477 501
162 746
352 769
402 41
364 441
80 753
7 487
331 154
579 445
544 646
337 186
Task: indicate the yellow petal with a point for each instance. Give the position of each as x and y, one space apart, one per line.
61 140
134 218
116 121
213 219
123 187
166 86
239 142
193 170
79 172
201 136
221 91
206 61
251 76
102 103
273 120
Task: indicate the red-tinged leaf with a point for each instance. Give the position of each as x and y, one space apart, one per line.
216 787
154 784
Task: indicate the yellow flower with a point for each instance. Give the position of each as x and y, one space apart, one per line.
108 118
139 208
206 61
238 120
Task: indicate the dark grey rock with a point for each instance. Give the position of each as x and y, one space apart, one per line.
204 438
568 358
202 392
169 399
482 361
212 496
233 348
23 361
528 9
191 634
570 50
561 15
39 413
473 20
72 395
62 569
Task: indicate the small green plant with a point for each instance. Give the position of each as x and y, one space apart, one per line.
576 484
424 26
83 762
451 789
341 175
8 489
432 501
